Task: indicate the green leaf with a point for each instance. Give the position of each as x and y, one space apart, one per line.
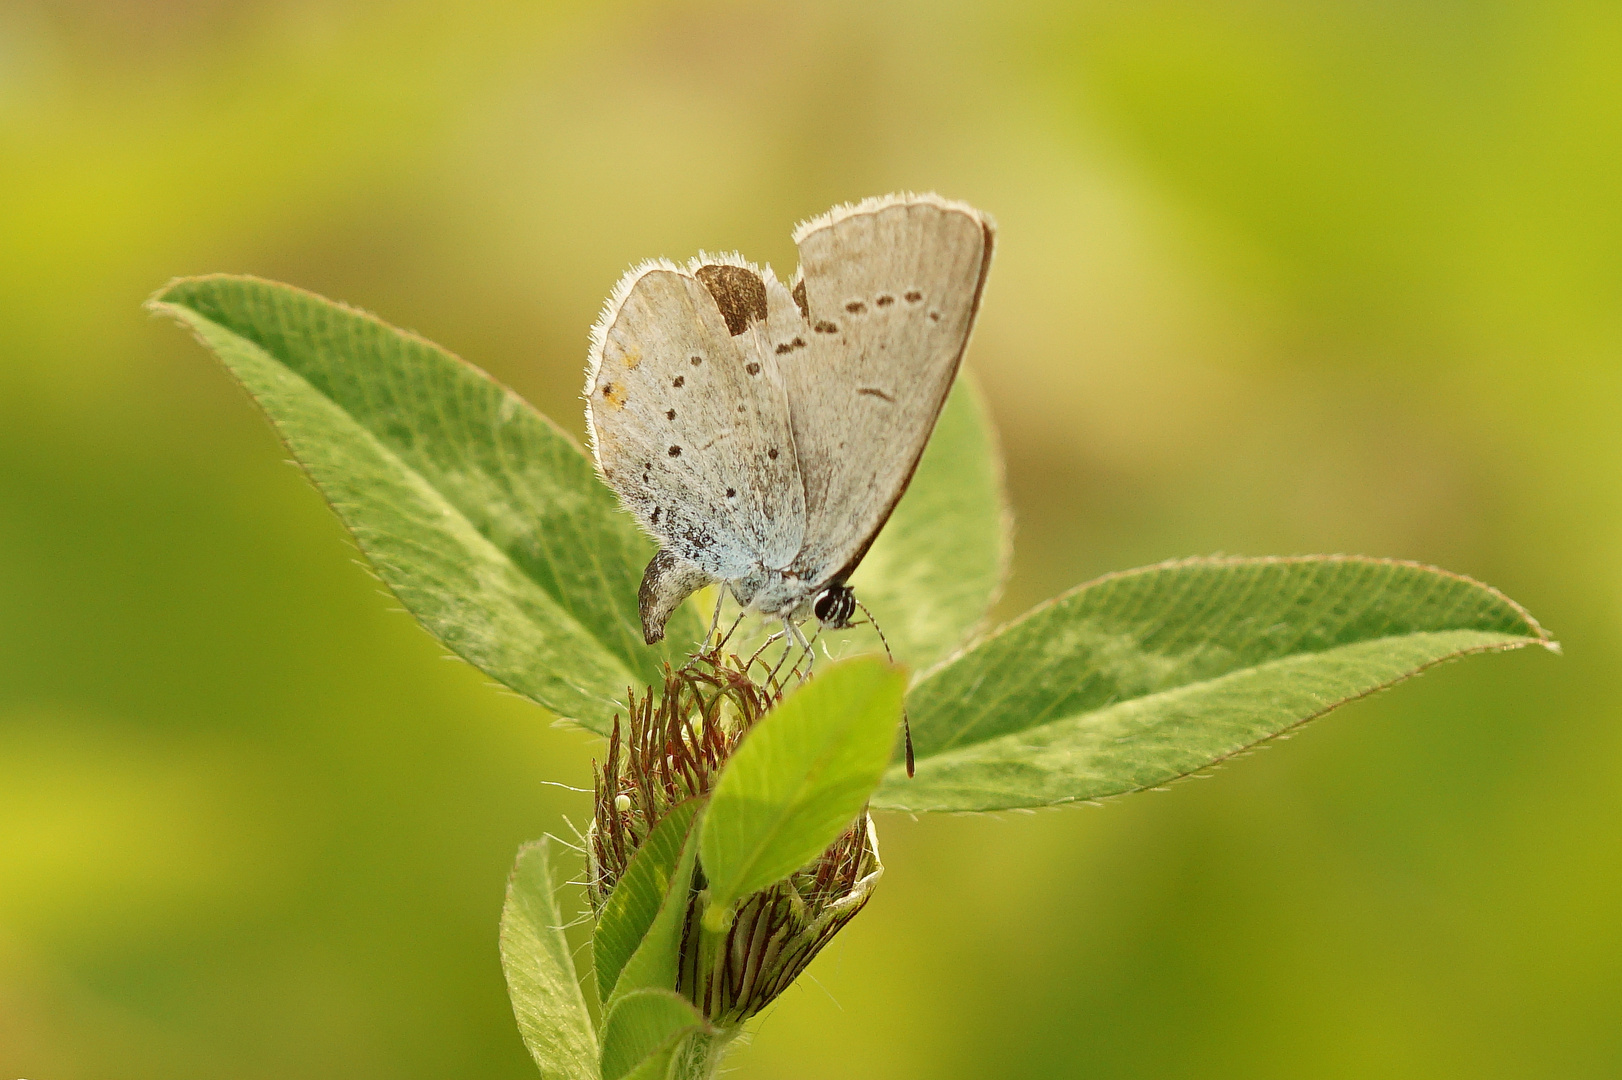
644 913
644 1030
799 777
937 566
1143 677
541 979
485 519
657 960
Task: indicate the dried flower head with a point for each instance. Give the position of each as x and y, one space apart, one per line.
672 748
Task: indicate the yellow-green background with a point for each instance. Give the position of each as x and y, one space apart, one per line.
1272 278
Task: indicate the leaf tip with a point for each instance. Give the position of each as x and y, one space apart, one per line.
534 856
163 301
158 303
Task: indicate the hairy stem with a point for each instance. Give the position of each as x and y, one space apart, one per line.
700 1057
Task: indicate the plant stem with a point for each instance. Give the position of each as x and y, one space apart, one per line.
700 1057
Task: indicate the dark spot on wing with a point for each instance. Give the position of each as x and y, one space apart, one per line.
732 493
670 414
798 343
826 327
772 453
694 535
740 408
655 516
608 474
784 348
913 296
874 391
934 316
885 300
739 294
674 451
696 360
752 368
799 300
855 307
678 380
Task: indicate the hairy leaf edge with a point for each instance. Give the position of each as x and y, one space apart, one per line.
587 1027
1538 635
158 306
1216 762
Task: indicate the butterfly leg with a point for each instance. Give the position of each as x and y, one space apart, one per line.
715 620
764 645
791 634
796 639
719 645
810 657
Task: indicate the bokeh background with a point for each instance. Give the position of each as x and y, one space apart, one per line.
1273 277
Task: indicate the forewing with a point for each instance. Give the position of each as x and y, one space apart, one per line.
888 291
685 416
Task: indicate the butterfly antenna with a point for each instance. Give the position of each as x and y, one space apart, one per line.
906 726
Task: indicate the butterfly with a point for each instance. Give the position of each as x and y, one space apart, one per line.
763 432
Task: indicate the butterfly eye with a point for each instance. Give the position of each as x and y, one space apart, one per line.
835 606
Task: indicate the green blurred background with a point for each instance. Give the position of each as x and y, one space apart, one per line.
1272 278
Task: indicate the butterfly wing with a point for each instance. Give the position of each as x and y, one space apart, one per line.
889 289
689 419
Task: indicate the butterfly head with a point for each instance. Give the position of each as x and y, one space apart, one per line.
834 607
